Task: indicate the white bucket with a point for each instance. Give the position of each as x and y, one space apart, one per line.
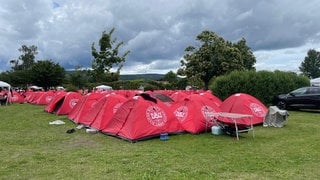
216 130
91 131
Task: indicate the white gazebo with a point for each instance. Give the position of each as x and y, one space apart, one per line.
103 88
4 84
315 82
7 86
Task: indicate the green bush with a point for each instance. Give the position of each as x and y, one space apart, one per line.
263 85
70 87
125 84
136 84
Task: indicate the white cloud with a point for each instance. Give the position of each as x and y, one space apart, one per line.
287 59
244 15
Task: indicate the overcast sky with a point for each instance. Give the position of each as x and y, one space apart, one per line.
157 31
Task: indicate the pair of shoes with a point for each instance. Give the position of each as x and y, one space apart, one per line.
69 131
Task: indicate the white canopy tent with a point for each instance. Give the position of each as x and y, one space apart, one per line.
4 84
35 87
315 82
5 99
103 88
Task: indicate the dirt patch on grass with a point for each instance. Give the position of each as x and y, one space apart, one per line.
81 142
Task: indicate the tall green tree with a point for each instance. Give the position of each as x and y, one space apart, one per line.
26 59
172 79
46 73
214 57
78 78
106 58
20 78
246 54
20 67
310 67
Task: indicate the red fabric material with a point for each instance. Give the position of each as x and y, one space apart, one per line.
103 110
45 98
17 97
244 104
35 96
208 94
70 100
194 112
83 106
56 98
138 119
178 96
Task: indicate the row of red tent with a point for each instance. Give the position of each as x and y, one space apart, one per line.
135 115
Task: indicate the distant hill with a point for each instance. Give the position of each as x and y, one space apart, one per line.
141 76
133 76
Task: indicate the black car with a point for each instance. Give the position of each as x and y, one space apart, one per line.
302 98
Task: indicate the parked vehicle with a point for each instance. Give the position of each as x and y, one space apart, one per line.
302 98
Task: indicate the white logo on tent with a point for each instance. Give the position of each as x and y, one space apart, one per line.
181 113
207 112
48 99
156 116
73 102
257 110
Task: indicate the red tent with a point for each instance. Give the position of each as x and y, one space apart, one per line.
58 96
28 95
194 112
102 111
178 96
35 96
127 93
45 98
17 97
142 117
67 103
83 106
208 94
244 104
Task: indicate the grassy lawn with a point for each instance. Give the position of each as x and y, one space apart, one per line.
30 148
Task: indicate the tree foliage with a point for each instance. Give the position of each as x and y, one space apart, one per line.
78 78
171 77
263 85
26 59
19 75
172 80
310 67
106 58
47 74
215 57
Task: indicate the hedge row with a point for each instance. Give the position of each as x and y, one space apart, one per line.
263 85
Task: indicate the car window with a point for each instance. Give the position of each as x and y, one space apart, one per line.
299 91
314 91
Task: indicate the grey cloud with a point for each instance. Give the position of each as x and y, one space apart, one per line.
274 24
155 31
22 20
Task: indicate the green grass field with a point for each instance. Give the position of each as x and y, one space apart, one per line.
30 148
